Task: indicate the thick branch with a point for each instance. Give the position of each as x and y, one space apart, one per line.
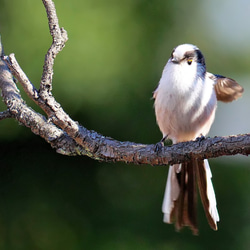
108 149
5 115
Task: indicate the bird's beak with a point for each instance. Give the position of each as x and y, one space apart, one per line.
174 60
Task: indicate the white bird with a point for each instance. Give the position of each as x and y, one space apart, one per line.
185 104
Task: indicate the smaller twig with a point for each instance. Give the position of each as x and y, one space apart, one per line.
22 78
5 115
60 37
27 85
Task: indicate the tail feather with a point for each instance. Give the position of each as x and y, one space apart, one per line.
180 199
207 193
171 193
186 214
192 197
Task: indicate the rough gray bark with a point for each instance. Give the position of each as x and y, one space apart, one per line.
70 138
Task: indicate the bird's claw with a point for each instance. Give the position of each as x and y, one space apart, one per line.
200 138
158 147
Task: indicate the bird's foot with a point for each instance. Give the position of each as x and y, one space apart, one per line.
200 138
159 145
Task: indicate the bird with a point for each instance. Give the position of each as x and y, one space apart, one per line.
185 102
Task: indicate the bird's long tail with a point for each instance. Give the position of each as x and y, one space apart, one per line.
180 197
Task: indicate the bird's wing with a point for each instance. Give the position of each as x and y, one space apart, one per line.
226 89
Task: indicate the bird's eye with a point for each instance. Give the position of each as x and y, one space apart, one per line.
189 61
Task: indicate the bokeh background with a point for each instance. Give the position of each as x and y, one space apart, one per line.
104 78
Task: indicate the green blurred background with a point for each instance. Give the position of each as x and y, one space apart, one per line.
104 78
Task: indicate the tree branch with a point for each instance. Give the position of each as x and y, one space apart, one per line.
69 138
60 37
5 114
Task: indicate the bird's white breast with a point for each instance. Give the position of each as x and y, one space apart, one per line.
184 102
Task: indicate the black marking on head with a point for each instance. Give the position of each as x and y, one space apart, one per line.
200 57
201 60
196 55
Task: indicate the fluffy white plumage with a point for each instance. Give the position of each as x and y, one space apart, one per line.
185 99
